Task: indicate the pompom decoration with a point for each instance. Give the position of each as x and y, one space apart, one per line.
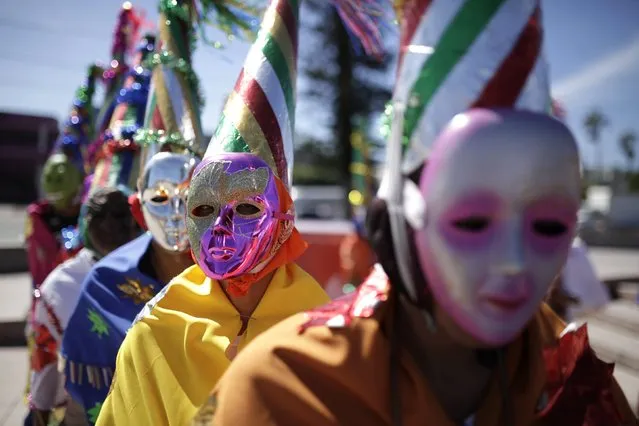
173 142
136 210
360 168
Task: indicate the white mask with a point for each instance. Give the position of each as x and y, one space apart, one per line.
501 191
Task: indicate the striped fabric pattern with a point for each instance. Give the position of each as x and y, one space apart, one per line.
259 114
173 106
177 99
460 54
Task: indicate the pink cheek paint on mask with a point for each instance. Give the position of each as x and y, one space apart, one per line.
550 224
470 223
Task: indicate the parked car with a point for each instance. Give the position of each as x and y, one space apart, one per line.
319 202
323 222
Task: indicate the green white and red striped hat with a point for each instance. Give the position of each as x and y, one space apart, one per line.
462 54
258 117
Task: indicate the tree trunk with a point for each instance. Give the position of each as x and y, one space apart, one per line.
344 110
601 162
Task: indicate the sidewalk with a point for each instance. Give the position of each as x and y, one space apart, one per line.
14 303
13 370
12 257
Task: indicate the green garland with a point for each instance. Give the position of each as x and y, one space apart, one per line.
216 14
174 9
180 65
385 127
149 137
85 92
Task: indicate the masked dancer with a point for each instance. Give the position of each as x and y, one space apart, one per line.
240 221
121 282
106 229
450 329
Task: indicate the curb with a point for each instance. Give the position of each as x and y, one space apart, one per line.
12 334
12 260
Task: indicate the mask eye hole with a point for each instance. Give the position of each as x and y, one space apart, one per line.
160 199
549 228
247 209
474 224
160 196
203 210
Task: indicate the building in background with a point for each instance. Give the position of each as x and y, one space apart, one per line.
25 142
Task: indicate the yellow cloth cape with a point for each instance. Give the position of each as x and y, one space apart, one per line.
172 358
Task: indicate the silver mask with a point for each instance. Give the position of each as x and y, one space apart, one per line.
163 188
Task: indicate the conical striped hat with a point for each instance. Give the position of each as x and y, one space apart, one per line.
456 55
117 166
259 114
175 103
79 129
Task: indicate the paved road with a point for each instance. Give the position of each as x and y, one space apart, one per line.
12 228
14 296
13 372
613 263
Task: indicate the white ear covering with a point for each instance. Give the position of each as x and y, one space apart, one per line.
413 203
383 191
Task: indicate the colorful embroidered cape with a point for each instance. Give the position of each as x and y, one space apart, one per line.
55 302
43 240
112 295
44 233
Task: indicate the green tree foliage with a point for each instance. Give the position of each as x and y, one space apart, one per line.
315 163
628 146
594 123
352 86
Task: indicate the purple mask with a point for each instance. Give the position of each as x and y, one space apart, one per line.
233 215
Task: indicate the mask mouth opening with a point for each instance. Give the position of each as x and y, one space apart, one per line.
54 197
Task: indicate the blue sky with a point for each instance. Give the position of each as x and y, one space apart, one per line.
592 47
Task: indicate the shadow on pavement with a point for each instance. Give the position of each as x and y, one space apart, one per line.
12 334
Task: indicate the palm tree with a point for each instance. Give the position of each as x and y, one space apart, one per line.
627 143
594 122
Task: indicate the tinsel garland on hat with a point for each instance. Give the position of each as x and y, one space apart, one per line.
173 117
117 165
79 127
124 36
